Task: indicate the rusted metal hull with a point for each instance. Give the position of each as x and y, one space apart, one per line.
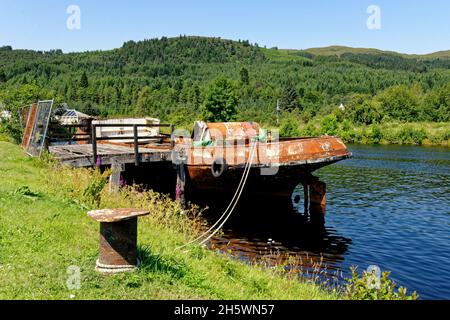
277 168
281 184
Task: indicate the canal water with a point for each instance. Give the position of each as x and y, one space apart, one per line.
389 206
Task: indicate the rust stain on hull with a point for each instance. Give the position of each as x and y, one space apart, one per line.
293 161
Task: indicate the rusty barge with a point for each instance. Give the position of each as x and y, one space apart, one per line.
218 152
213 159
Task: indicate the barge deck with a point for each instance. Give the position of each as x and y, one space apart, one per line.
82 155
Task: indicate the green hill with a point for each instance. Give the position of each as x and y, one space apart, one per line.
439 54
340 50
169 78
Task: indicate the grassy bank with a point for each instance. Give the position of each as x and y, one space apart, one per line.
428 134
389 133
44 230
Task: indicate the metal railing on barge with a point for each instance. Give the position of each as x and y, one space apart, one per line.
91 137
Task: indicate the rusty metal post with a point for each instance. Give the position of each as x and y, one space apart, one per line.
46 146
306 196
116 174
318 202
181 184
94 144
118 239
172 137
136 145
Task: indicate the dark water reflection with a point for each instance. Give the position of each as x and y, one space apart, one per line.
389 206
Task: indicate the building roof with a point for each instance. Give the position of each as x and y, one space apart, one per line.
75 114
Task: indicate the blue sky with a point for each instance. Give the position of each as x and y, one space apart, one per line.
406 26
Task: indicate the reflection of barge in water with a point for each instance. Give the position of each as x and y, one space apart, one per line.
218 153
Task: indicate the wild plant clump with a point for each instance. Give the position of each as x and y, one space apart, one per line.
89 189
369 287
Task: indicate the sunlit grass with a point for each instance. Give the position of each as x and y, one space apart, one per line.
44 229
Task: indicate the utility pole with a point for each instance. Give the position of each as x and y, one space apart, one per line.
278 111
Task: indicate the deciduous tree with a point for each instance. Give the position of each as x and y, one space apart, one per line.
221 101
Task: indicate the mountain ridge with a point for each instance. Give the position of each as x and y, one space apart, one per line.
171 77
332 50
339 50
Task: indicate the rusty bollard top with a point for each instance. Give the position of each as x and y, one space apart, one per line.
116 215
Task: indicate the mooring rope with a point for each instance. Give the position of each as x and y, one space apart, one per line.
234 201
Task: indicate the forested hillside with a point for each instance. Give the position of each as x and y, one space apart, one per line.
172 78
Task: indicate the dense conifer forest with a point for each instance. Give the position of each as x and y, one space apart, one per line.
182 79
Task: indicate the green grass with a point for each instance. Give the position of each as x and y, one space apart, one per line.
44 230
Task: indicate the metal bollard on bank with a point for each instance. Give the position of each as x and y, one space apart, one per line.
118 239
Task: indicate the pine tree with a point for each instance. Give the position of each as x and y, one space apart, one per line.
245 78
289 99
84 82
196 95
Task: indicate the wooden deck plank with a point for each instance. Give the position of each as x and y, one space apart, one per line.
82 156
